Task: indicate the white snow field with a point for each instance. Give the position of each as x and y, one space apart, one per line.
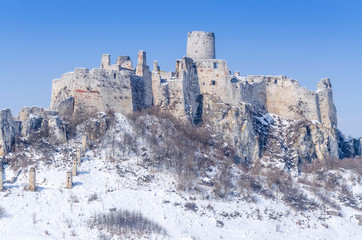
54 212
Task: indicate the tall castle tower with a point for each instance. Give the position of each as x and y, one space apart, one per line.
200 45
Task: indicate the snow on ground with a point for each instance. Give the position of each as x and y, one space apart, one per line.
54 212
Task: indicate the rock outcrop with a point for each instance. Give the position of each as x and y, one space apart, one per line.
269 139
9 130
270 120
36 122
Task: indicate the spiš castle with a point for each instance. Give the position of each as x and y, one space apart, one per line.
266 118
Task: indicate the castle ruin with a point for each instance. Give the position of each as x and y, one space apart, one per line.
198 78
32 179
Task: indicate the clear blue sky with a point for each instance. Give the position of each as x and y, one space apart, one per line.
303 39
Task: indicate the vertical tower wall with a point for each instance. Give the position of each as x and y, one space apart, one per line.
325 100
200 45
106 61
142 87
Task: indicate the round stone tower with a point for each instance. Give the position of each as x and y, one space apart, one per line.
200 45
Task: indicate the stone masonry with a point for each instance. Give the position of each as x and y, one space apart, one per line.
125 89
202 89
32 179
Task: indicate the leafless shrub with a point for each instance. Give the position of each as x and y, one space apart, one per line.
19 161
298 200
74 120
312 167
326 199
224 183
123 221
69 222
72 233
347 198
93 197
191 206
353 164
103 236
73 199
33 216
176 145
278 178
2 212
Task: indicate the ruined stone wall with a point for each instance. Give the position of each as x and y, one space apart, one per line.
94 90
179 92
116 87
327 109
285 97
214 78
282 96
9 130
160 90
253 91
143 85
176 101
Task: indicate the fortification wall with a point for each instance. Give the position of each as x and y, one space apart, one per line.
160 90
95 90
285 97
327 109
214 78
176 101
253 91
143 85
111 87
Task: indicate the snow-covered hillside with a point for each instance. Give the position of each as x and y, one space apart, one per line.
112 177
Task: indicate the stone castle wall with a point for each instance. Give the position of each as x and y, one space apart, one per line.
124 89
285 97
214 78
94 90
112 87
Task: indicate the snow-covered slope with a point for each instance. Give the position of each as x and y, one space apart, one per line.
105 184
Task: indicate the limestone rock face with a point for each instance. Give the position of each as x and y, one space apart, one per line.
8 131
328 112
269 139
66 107
57 133
349 147
36 122
271 120
236 125
95 127
291 144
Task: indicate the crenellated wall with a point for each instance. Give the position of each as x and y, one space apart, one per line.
198 77
94 90
285 97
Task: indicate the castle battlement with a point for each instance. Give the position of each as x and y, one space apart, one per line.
198 77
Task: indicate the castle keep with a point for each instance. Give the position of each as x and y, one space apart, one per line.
198 78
